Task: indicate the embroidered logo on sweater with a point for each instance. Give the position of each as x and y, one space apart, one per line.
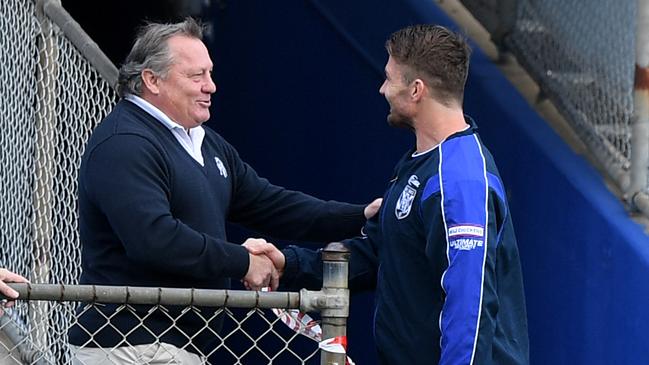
404 204
221 167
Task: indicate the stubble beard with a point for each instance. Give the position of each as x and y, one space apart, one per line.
399 121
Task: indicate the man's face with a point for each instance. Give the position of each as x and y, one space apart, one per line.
396 92
186 89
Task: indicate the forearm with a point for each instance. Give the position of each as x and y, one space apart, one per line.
292 215
288 214
173 247
304 267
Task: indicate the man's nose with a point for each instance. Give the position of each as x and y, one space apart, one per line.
209 86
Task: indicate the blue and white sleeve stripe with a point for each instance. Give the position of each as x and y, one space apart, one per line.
464 193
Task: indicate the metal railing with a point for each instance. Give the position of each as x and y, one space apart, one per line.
78 37
253 337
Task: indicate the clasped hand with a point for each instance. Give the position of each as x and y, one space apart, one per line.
266 264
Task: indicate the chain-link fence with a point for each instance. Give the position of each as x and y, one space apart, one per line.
582 54
52 98
176 332
136 325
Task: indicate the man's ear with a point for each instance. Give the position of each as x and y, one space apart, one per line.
150 81
417 90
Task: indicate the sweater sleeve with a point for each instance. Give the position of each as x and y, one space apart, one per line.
127 179
460 224
303 267
287 214
469 235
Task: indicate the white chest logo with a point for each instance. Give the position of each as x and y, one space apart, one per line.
404 204
221 167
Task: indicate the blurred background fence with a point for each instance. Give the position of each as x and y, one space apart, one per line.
583 56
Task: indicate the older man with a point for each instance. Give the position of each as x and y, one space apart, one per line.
155 191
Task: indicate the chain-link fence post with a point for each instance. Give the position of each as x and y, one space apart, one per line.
335 259
45 174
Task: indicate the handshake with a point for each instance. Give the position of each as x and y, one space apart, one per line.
266 264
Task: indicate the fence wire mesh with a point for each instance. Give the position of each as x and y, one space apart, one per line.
583 55
222 336
52 98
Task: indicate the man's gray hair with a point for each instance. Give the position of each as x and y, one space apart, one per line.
151 51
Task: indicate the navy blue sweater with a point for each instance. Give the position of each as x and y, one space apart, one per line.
150 215
443 256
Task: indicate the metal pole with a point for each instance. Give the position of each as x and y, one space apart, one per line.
155 296
640 120
44 160
335 259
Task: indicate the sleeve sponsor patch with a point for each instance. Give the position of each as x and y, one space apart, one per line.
466 230
466 237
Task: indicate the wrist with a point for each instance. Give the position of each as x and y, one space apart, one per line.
291 263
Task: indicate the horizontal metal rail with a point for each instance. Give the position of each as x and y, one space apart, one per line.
155 296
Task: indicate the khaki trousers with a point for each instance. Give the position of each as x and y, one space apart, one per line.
154 354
